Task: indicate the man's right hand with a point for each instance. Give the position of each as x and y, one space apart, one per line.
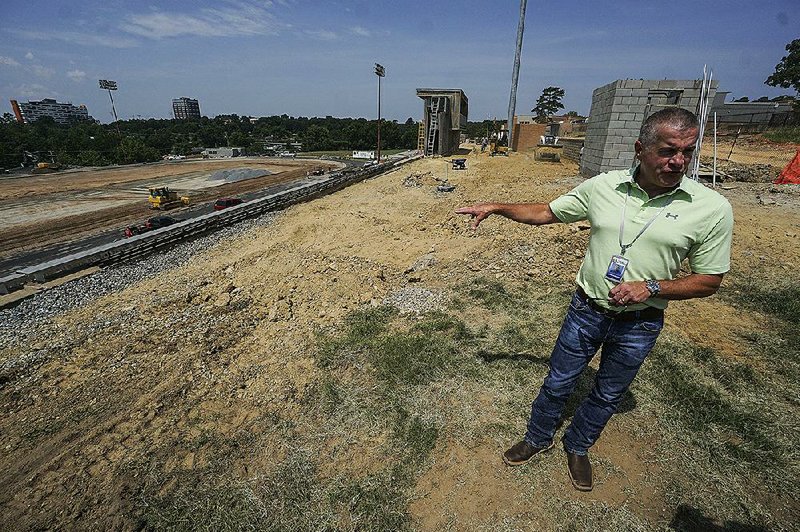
479 212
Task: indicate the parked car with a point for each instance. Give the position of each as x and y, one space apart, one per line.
157 222
224 203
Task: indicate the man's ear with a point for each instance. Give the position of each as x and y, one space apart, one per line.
637 147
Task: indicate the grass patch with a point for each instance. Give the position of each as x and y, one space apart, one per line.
491 294
727 428
779 344
784 134
409 354
781 301
292 498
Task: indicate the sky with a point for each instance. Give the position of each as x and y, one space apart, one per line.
315 58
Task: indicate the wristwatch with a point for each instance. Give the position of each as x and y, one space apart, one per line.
654 287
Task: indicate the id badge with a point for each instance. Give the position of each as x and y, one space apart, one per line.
616 268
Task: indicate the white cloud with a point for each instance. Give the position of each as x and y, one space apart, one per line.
83 39
8 61
42 72
76 75
361 32
241 18
34 91
322 35
29 56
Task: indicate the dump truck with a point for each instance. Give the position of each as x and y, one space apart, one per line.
163 198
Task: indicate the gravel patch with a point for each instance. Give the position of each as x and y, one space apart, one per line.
416 300
21 324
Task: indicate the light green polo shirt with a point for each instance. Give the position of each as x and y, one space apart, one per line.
697 223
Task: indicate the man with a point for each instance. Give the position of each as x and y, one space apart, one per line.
645 221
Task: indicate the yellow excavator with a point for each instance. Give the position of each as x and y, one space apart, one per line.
162 198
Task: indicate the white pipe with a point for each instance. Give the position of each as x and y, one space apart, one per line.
714 175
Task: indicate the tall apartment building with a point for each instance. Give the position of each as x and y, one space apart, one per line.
184 108
62 113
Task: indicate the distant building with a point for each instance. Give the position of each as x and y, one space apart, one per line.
184 108
62 113
528 133
223 152
751 117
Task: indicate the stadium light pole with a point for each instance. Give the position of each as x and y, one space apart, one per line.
380 72
512 99
109 85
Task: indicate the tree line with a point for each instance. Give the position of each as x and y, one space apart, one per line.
136 141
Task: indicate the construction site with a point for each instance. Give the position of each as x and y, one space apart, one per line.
360 361
262 332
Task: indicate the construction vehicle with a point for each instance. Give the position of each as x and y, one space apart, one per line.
548 148
45 167
498 141
33 160
163 198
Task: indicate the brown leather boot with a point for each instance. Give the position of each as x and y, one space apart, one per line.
580 471
522 452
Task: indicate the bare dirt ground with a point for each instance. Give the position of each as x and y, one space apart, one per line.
210 370
40 210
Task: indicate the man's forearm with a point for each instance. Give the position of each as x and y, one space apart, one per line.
690 287
526 213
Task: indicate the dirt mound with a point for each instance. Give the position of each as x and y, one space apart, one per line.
264 381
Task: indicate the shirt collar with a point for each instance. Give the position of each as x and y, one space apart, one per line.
628 175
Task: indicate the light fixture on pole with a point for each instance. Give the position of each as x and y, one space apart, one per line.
380 72
109 85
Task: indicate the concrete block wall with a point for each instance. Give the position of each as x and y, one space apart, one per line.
572 148
616 116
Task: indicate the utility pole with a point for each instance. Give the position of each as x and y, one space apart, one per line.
512 100
380 72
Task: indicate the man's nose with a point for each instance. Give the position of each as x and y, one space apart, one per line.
678 159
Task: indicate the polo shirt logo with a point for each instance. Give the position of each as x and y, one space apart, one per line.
670 215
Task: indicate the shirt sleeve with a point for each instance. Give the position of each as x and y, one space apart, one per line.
712 255
574 205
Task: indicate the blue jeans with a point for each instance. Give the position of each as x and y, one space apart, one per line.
625 344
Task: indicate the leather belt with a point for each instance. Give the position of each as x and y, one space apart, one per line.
649 313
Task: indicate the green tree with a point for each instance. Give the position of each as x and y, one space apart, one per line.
316 138
548 103
787 72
